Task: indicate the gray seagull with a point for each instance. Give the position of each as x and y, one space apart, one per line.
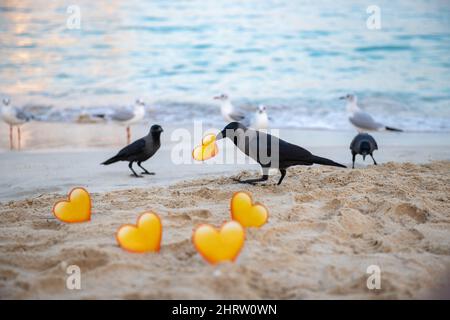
15 117
127 116
361 119
228 111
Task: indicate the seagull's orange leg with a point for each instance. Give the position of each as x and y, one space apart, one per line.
128 135
18 137
11 145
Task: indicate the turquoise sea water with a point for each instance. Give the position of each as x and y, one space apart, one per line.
297 57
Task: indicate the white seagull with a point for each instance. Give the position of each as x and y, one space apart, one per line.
229 112
15 117
259 120
128 117
362 120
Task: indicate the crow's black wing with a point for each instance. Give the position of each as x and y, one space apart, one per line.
354 143
289 154
281 151
292 152
373 143
132 149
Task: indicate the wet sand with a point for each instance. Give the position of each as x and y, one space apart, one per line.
56 157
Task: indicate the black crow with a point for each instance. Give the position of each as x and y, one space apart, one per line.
140 150
363 144
270 151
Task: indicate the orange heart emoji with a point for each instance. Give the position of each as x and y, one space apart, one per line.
145 236
216 246
77 208
207 150
247 213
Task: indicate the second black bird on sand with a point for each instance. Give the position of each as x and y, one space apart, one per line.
269 151
363 144
140 150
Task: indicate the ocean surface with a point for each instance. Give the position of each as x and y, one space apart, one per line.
297 57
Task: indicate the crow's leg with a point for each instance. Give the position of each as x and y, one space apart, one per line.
265 177
145 170
283 174
374 162
11 145
128 135
353 160
130 165
18 137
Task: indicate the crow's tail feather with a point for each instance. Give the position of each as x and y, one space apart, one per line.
326 162
112 160
393 129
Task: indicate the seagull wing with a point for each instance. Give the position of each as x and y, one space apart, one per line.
237 115
122 115
364 120
22 115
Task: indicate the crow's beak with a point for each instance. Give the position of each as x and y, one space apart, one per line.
220 135
341 98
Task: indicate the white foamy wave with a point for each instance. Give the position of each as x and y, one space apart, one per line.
326 115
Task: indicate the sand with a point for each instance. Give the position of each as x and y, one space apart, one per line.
326 226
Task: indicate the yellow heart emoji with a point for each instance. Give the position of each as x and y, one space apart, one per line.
145 236
216 246
207 150
247 213
77 207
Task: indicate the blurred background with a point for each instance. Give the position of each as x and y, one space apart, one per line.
297 57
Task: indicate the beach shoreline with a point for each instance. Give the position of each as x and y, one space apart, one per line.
59 156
